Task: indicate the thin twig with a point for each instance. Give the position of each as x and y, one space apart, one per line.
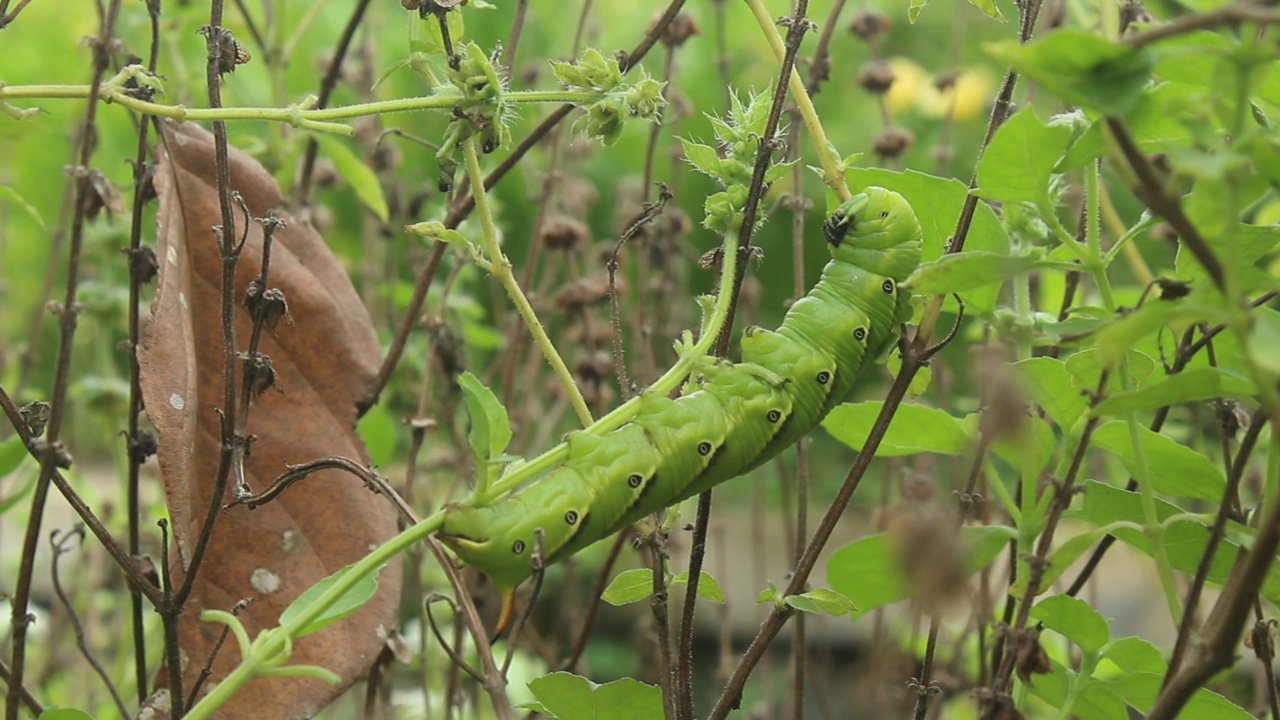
53 456
60 548
302 188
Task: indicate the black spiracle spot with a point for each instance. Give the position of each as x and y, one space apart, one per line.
884 214
571 517
634 480
824 377
774 416
887 286
517 547
704 448
860 334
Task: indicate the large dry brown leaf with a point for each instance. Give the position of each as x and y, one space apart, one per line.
324 362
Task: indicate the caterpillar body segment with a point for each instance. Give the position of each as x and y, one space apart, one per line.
733 417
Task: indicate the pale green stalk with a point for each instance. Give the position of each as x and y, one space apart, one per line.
500 268
299 114
266 649
832 167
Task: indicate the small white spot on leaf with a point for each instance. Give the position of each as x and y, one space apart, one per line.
176 401
171 255
264 581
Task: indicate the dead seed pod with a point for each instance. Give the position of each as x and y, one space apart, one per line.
681 28
561 232
893 141
584 292
869 24
876 77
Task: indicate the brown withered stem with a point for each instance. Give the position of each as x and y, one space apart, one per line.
797 25
52 455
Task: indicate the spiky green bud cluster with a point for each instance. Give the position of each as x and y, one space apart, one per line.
738 141
616 101
481 109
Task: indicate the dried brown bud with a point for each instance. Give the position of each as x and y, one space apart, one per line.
101 193
876 77
1031 658
944 81
561 232
868 24
681 28
892 142
583 292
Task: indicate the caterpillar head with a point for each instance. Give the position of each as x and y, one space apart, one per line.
875 229
482 538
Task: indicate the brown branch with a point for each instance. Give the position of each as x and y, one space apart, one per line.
52 454
1262 13
1152 192
372 480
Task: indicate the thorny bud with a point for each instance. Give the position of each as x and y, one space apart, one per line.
561 232
259 372
35 415
146 567
142 446
868 24
892 142
1031 658
230 52
143 263
876 77
99 193
1231 417
680 29
1132 11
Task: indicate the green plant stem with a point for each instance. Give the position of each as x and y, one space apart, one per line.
833 168
298 114
690 357
501 269
265 650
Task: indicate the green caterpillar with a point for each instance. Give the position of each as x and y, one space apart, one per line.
736 416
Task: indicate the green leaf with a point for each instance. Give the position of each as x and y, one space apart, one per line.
570 697
1118 337
1051 385
22 204
347 603
1140 690
630 586
703 157
967 270
1060 560
1135 654
12 453
989 8
914 429
1081 67
490 428
820 601
1034 435
378 430
1086 369
1074 619
1018 164
64 714
708 588
869 574
1195 385
362 178
1174 469
770 594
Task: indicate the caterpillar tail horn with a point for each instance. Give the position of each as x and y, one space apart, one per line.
505 615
